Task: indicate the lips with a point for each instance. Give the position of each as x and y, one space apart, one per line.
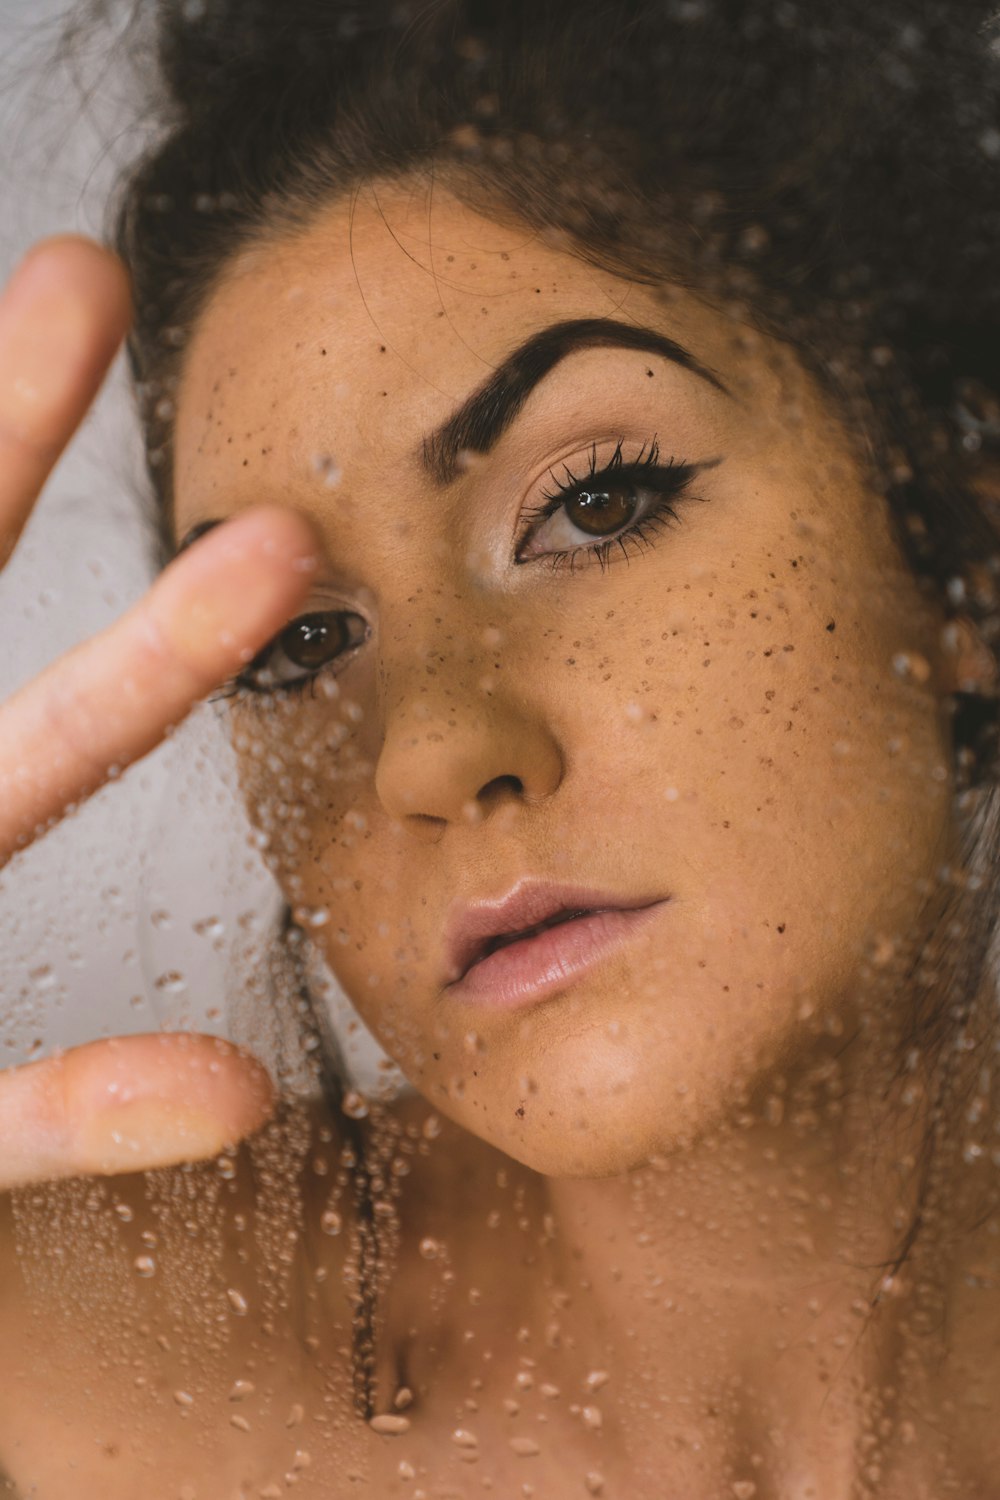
481 928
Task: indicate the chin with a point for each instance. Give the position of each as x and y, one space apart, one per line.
612 1116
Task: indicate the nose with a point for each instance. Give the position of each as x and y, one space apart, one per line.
458 739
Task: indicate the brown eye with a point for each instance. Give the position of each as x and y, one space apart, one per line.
314 640
302 650
598 512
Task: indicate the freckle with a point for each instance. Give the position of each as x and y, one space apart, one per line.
832 625
381 348
650 374
323 352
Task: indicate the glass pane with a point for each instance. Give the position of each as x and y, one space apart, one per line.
499 900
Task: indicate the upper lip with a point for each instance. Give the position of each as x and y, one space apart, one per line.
529 903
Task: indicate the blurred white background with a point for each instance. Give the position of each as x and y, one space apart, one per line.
125 916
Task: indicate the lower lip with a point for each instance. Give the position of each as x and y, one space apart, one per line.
534 967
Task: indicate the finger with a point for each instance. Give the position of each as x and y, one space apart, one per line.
111 700
63 314
128 1105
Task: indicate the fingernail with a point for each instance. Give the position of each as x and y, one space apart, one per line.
148 1133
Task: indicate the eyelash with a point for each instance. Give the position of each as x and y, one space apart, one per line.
668 482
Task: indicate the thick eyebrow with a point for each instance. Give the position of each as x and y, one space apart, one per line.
484 416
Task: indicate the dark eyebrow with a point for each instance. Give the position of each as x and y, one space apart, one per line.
482 419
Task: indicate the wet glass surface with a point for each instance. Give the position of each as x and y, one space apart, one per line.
558 746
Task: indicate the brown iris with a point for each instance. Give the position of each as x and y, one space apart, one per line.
311 641
599 511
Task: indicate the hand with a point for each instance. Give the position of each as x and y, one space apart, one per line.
135 1102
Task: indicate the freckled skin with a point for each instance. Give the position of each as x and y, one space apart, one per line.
714 718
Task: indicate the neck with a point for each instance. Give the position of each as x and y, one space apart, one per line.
758 1262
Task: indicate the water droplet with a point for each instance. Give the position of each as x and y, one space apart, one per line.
241 1390
237 1301
172 982
296 1416
183 1398
403 1398
327 468
594 1483
744 1489
331 1222
212 927
524 1447
430 1249
596 1379
311 916
354 1105
592 1417
406 1470
240 1423
464 1439
161 920
431 1128
911 666
389 1425
124 1213
144 1265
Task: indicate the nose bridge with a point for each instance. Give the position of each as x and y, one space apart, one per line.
457 728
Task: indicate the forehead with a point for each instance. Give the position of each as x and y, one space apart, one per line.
383 314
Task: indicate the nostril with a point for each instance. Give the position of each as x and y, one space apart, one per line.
494 790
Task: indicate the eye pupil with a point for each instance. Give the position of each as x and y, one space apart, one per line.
600 511
311 641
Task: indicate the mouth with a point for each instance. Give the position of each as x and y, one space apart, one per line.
536 938
504 939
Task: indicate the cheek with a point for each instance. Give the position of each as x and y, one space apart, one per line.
777 767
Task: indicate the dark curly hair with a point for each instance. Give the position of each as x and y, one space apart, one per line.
829 174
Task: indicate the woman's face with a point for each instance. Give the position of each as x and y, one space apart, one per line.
728 720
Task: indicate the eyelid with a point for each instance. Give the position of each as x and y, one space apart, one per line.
668 483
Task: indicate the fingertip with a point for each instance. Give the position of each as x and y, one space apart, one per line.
158 1099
